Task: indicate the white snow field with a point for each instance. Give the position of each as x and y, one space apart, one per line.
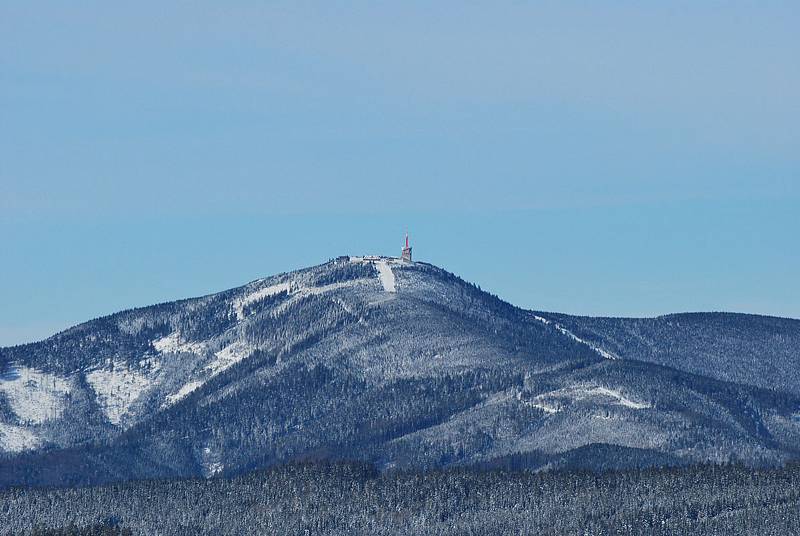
223 360
386 276
172 343
555 401
620 399
228 356
118 387
17 438
182 392
35 396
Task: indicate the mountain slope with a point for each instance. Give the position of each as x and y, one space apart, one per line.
750 349
403 365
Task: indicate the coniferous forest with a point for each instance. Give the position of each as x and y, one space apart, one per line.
352 498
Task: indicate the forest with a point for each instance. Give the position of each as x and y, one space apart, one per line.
354 498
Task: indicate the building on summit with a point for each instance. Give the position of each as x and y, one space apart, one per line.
406 256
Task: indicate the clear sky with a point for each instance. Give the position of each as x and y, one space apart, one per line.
605 158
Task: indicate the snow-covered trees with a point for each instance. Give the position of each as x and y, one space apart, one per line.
352 499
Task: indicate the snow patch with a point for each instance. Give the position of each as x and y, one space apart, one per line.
118 387
172 344
240 304
544 407
211 463
621 400
214 468
17 439
386 276
35 396
299 293
227 357
182 392
551 402
305 291
604 353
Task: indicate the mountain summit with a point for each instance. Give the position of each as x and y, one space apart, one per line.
394 362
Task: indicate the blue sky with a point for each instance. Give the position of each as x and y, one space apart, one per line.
623 159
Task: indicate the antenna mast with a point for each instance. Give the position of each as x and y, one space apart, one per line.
406 257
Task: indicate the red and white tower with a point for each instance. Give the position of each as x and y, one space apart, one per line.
406 257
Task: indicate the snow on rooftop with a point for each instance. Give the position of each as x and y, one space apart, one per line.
17 438
35 396
118 387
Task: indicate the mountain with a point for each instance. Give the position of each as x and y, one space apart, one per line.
755 350
403 365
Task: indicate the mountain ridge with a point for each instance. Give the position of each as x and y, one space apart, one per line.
399 364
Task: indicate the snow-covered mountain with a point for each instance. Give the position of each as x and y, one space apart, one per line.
400 364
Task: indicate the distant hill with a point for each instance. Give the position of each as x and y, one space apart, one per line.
403 365
748 349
